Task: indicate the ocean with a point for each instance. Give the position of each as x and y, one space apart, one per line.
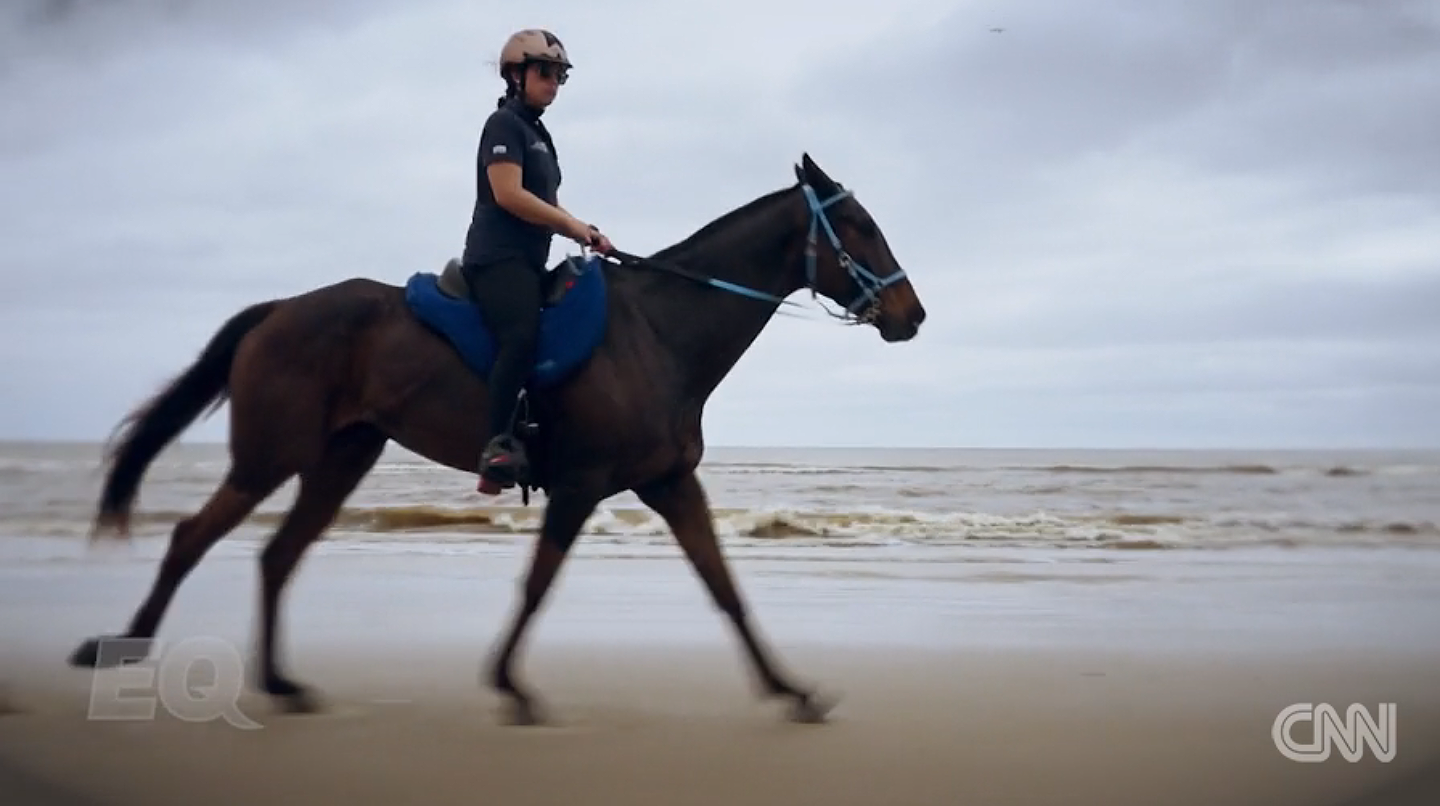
911 505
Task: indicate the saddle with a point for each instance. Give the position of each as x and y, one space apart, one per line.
557 282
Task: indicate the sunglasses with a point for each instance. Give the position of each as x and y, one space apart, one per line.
550 70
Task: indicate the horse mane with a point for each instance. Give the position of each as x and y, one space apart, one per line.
723 221
690 252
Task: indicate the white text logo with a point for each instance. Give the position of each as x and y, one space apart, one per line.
167 682
1351 734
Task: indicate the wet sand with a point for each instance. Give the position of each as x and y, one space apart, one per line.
1033 683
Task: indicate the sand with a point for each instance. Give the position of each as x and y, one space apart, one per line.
1026 684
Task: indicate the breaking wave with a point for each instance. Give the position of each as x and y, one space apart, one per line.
1134 499
861 528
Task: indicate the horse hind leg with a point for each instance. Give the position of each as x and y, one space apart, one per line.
348 457
193 537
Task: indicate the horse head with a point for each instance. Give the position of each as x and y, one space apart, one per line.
857 270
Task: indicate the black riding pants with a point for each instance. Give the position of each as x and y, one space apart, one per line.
508 293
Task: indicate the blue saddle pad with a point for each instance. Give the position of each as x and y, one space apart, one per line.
569 331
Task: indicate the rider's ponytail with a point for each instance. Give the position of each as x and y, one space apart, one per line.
512 89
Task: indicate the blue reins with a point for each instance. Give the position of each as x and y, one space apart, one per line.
869 283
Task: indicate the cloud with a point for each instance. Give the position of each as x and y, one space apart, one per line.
1326 93
1170 201
1225 214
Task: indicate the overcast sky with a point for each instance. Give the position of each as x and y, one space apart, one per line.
1132 222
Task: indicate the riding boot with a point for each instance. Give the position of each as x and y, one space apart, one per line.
503 464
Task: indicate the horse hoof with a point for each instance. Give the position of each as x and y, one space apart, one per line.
303 702
118 650
291 698
525 714
87 655
813 709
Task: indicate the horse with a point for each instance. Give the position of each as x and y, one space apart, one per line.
630 350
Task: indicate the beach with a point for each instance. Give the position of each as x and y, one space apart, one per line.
999 628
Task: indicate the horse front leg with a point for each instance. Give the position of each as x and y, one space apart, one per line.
681 502
565 514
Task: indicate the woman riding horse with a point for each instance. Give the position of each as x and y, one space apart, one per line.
508 244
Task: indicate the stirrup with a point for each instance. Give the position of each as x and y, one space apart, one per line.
517 471
504 462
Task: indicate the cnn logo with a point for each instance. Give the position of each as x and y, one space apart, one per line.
1351 735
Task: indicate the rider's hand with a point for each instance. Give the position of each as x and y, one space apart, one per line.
589 235
580 232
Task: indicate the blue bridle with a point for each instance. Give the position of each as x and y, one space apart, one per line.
862 309
870 284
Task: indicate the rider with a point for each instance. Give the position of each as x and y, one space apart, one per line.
508 244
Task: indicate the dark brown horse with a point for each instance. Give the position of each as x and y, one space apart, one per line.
319 382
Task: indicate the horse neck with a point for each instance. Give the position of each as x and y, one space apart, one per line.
705 329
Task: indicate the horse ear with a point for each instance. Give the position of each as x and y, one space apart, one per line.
813 174
799 174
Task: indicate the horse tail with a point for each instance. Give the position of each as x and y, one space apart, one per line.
145 432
